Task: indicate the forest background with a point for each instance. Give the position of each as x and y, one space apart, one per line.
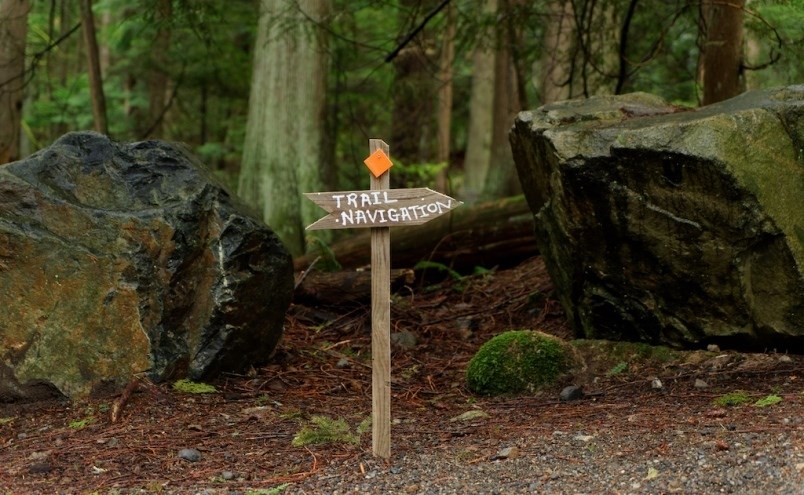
279 97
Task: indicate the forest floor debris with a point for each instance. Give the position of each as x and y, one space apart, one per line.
622 436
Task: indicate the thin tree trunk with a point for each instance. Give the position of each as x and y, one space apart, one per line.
445 98
284 132
556 73
413 123
13 30
489 165
481 113
93 67
722 51
158 78
501 178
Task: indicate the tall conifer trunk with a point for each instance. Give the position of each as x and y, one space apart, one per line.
722 51
13 29
282 152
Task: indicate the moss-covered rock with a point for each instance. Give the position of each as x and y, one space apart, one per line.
672 227
519 361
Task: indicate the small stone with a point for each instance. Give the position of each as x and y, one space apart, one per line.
571 393
395 470
191 455
506 453
583 438
40 468
713 348
228 475
405 339
784 358
700 383
371 474
342 363
470 415
656 384
412 488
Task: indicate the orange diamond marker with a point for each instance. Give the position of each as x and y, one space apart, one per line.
378 162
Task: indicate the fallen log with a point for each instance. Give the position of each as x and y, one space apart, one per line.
344 286
488 234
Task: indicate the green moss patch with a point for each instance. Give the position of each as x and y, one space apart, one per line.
191 387
732 399
518 361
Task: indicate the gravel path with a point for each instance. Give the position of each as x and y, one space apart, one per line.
678 461
651 444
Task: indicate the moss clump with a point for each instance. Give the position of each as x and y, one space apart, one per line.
191 387
736 398
518 361
325 430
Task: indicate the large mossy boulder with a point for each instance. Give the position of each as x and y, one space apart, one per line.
122 260
663 225
519 361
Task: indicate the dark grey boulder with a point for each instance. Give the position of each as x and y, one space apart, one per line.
671 226
120 260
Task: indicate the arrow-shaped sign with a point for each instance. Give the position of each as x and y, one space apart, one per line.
380 208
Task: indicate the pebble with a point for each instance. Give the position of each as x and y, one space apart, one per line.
470 415
228 475
40 468
191 455
506 453
571 392
700 383
713 348
404 340
656 384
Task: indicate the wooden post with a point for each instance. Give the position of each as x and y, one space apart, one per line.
379 209
380 323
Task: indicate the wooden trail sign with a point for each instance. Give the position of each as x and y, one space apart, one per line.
379 209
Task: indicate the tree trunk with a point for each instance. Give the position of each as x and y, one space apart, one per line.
413 122
284 132
158 78
341 287
490 171
501 178
481 113
556 66
445 99
490 233
13 30
722 51
93 67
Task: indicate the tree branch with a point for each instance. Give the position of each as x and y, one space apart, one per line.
391 56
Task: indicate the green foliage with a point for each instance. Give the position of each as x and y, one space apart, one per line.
417 174
732 399
768 401
327 260
325 430
441 267
618 368
79 424
518 361
191 387
269 491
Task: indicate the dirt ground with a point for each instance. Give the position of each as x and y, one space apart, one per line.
244 430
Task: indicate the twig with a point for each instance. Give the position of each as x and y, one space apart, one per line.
119 404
